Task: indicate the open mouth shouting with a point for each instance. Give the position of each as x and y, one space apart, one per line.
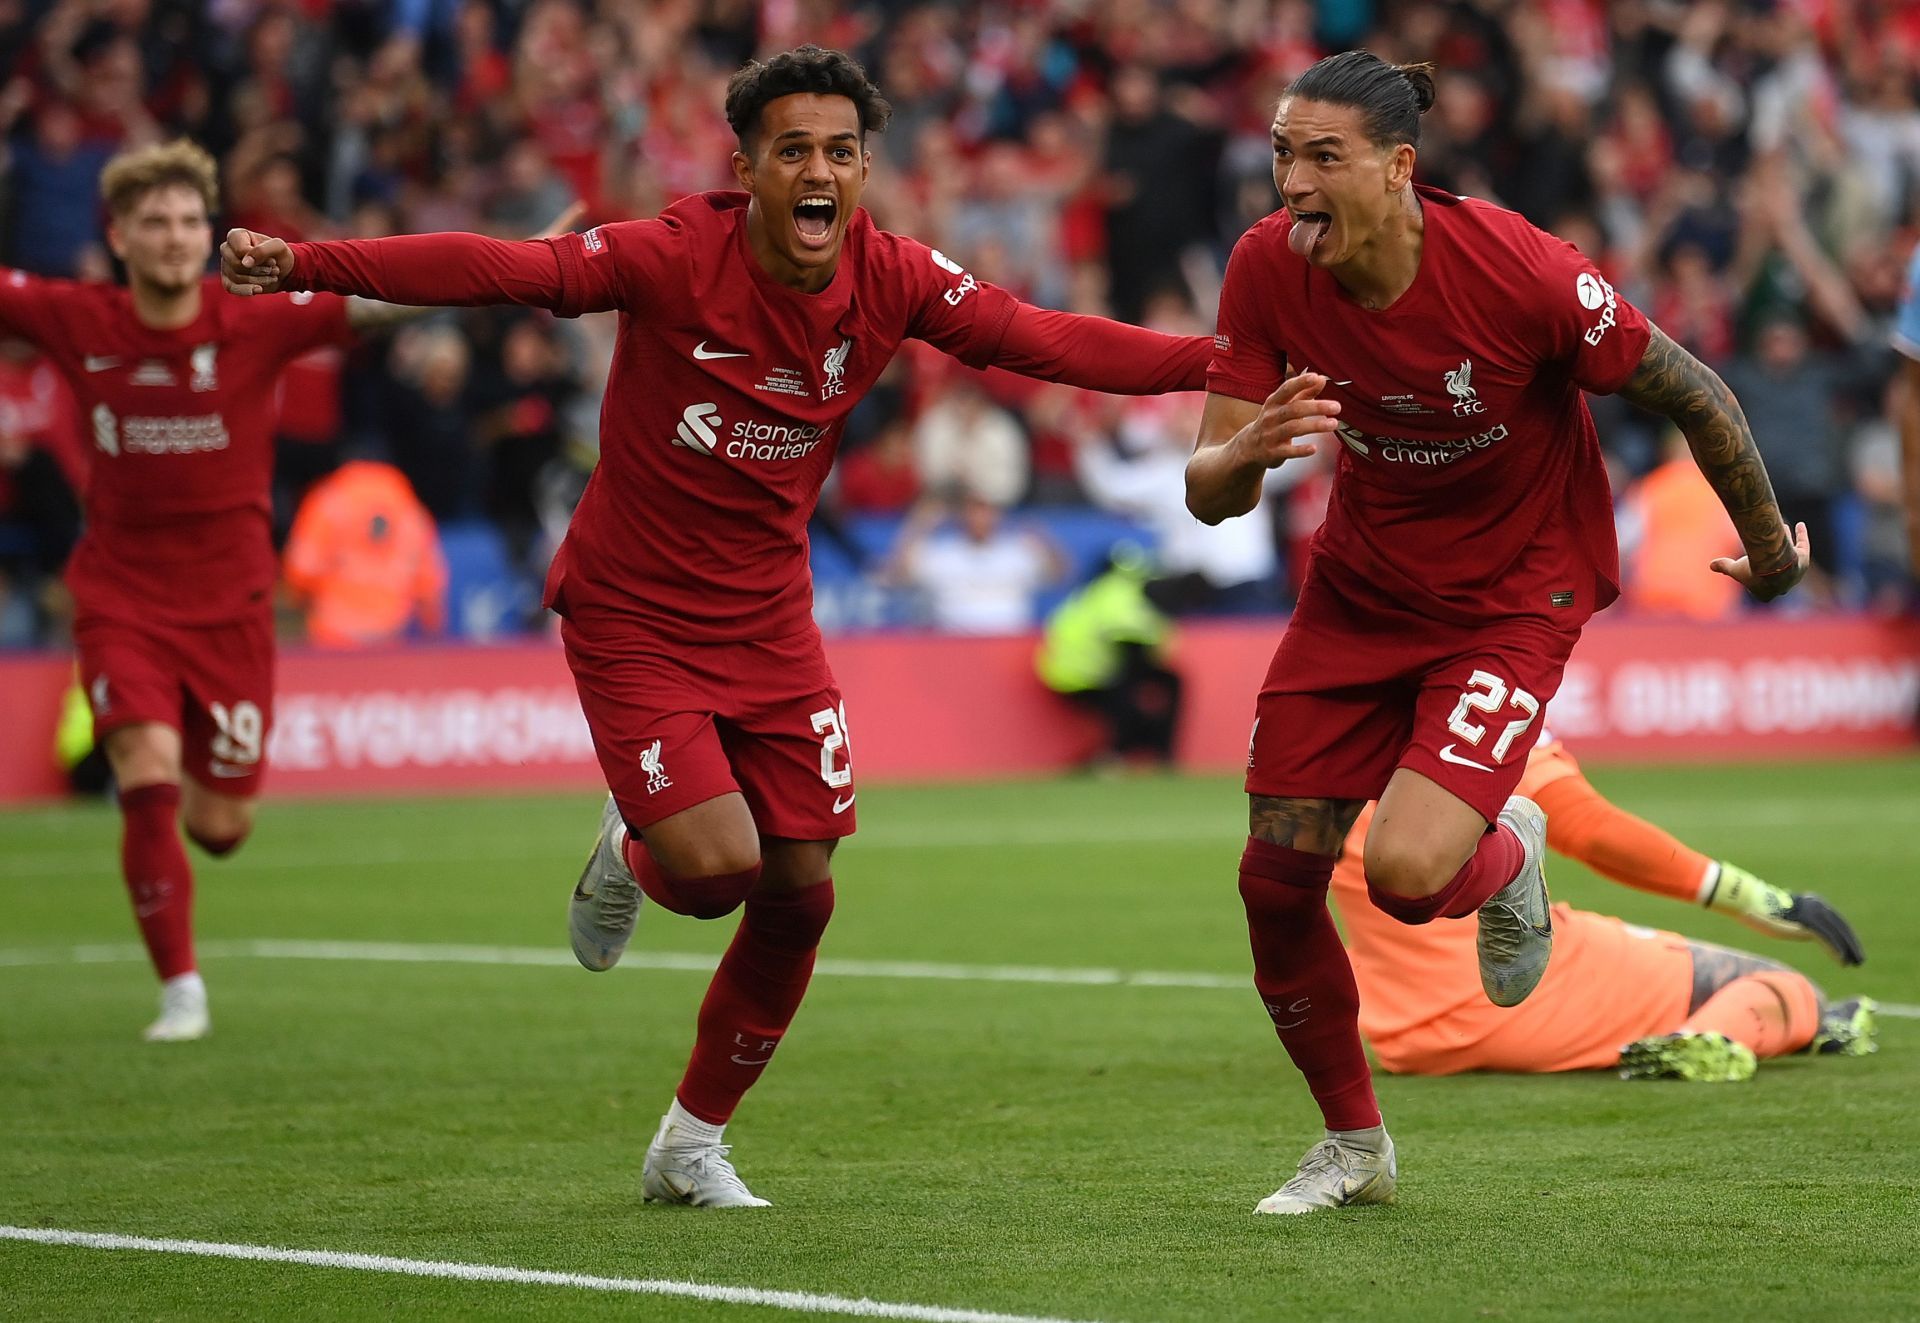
813 218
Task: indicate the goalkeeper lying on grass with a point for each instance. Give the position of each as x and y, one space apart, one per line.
1652 1004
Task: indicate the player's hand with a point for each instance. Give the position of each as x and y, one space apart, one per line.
560 224
253 263
1291 415
1766 587
1798 916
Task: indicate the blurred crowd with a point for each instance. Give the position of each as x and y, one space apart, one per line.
1748 171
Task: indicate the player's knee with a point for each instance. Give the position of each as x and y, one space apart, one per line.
792 920
1408 868
711 897
218 843
144 754
221 826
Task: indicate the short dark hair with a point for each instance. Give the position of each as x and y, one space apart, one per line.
808 69
1391 97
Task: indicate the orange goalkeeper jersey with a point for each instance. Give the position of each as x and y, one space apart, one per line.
1421 1005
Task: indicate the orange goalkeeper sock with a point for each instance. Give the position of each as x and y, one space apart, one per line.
1774 1012
1583 825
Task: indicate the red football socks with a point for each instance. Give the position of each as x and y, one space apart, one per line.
1496 861
697 897
753 998
159 879
1302 974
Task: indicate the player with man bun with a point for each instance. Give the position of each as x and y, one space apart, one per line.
1444 344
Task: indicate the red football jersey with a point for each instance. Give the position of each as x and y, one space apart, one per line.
1470 485
748 383
178 508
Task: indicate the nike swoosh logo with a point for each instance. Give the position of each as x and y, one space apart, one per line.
701 352
1447 755
100 364
756 1061
228 770
842 805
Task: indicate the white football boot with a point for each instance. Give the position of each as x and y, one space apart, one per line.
606 901
684 1169
1338 1173
183 1011
1516 923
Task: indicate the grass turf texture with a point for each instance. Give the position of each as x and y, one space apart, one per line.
1088 1152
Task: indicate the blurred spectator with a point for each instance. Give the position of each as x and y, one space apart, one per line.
522 422
363 559
1159 180
1676 527
1105 648
1139 470
881 477
55 193
964 441
430 425
42 467
978 574
1788 396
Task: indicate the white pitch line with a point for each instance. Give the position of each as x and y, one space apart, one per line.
803 1302
685 961
409 953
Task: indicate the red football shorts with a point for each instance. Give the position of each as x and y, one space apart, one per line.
212 683
677 725
1355 692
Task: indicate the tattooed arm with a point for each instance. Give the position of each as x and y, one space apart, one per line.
1673 383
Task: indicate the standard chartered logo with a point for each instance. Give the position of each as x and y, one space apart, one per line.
696 428
701 427
1423 454
158 436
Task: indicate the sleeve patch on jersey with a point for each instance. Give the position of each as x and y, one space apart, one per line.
1223 345
593 243
1596 295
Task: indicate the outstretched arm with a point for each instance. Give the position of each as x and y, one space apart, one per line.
424 270
1095 353
1239 441
1673 383
365 314
1584 825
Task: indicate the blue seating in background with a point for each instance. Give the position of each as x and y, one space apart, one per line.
488 596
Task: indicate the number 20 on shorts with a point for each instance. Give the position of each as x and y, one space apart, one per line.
1488 695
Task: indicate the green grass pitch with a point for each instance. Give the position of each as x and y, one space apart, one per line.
1082 1151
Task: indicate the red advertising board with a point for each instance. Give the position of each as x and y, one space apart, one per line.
502 718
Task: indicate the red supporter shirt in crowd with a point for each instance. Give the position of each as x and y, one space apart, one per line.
37 407
1470 486
728 391
178 512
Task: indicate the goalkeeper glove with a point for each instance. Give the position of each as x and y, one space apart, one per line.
1795 915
